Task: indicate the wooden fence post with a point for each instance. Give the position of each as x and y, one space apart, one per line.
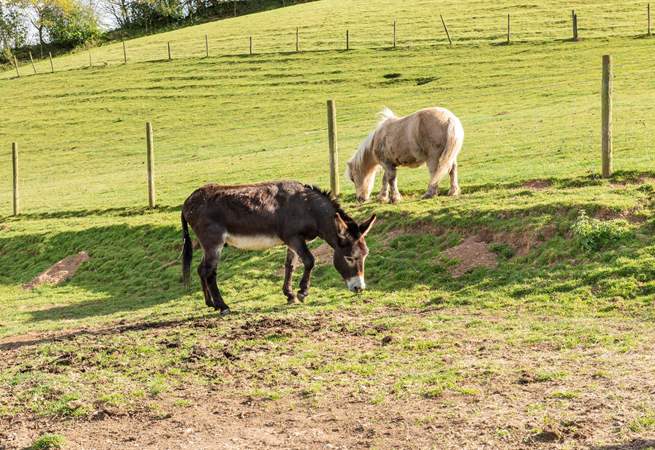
508 29
14 165
445 27
394 33
607 116
16 65
574 18
297 39
90 59
251 45
206 46
347 39
334 151
32 61
151 164
52 66
124 53
649 22
169 51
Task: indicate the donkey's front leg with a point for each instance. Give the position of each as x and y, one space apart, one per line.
289 267
300 247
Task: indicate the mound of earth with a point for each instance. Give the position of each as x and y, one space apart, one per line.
60 272
471 253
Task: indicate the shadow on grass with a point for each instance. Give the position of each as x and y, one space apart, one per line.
137 267
636 444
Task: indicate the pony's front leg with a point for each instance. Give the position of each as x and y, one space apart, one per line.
392 179
383 197
289 266
300 248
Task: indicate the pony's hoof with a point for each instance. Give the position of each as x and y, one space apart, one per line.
225 312
427 196
396 199
454 193
384 199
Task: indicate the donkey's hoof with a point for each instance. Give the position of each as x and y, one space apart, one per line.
225 312
293 301
302 296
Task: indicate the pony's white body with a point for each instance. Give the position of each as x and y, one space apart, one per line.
433 135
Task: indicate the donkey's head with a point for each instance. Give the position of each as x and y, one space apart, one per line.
351 251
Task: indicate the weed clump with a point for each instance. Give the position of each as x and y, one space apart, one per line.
48 442
592 234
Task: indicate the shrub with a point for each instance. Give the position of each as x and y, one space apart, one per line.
592 234
48 442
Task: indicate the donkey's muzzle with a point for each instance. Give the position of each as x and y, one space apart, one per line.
356 284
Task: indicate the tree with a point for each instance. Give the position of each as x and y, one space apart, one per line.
71 25
13 27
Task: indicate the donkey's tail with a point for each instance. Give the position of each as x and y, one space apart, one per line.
454 143
187 252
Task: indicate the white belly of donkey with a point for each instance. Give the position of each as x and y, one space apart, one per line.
252 242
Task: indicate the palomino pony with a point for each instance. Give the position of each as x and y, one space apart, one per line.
432 135
260 216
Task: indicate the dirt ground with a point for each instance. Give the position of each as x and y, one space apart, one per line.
510 410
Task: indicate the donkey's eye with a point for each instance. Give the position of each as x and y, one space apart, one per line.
349 259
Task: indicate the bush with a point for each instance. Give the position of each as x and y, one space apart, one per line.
592 234
72 26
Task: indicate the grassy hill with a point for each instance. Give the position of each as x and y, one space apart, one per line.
551 346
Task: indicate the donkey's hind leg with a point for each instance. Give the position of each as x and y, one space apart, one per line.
205 287
289 267
207 269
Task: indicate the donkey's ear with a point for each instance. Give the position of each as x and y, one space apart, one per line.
365 227
342 228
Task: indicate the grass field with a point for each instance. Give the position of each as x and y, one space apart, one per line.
553 347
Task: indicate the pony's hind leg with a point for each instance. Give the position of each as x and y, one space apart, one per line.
289 267
433 186
454 183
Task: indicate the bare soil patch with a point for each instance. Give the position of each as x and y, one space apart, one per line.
537 185
59 272
471 253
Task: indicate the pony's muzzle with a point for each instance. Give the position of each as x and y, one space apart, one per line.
356 284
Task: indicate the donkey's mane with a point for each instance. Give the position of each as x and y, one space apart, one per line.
327 195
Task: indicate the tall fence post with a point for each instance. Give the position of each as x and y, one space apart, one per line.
32 61
250 44
124 53
649 22
52 66
206 46
334 151
607 116
297 39
169 51
151 164
16 65
445 27
509 29
90 59
574 18
347 39
394 33
14 165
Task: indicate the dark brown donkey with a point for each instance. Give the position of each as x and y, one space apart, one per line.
260 216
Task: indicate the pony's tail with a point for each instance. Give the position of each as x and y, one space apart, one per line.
187 252
454 143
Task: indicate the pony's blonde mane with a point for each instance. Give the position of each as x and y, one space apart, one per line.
357 162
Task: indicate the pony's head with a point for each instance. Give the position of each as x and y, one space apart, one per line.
362 167
360 171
